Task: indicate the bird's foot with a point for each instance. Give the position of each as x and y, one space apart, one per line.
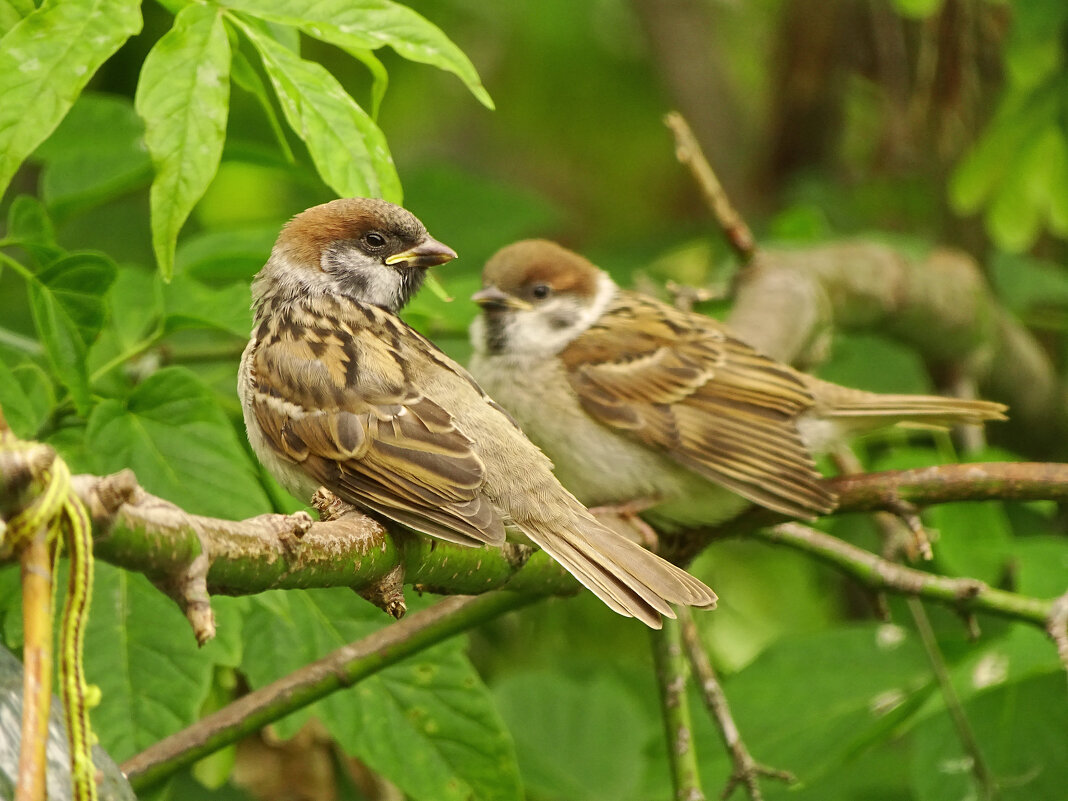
628 515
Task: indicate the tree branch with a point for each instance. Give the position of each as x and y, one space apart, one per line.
674 709
788 302
747 771
190 556
873 571
341 668
688 152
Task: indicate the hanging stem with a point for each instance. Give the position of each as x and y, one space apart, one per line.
37 661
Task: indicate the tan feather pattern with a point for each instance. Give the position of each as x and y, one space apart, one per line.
386 445
681 383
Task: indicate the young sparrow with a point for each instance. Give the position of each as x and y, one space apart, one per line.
634 399
338 391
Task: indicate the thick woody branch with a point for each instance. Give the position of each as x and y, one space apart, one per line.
981 481
923 486
789 302
191 557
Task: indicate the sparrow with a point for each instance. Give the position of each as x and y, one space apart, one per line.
337 391
636 401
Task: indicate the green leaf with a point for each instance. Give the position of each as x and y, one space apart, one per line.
975 539
1019 729
427 724
172 434
142 655
183 96
29 227
993 160
1040 565
45 61
349 150
11 11
218 258
583 740
95 154
246 76
367 25
19 410
1025 284
67 300
190 304
917 9
136 305
379 77
810 703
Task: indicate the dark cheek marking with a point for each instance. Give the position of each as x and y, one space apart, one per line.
496 333
352 284
411 281
558 323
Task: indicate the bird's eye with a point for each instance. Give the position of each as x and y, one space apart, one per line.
541 291
375 239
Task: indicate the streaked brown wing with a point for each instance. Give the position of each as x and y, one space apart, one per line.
370 437
678 381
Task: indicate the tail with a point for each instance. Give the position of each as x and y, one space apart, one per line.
859 410
629 579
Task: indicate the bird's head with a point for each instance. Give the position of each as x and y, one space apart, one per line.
536 297
365 249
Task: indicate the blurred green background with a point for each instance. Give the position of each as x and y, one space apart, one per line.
914 122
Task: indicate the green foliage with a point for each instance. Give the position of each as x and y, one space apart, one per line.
48 54
1018 169
46 59
428 724
183 95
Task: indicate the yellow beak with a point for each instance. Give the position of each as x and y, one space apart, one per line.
428 253
492 298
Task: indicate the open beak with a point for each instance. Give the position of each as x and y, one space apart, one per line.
428 253
493 299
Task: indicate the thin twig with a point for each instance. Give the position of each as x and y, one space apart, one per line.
1057 627
688 152
747 771
675 710
984 778
341 668
879 574
900 528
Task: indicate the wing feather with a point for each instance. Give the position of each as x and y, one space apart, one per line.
680 382
369 435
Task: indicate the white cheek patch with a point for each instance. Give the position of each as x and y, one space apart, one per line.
539 331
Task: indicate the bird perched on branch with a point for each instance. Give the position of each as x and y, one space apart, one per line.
635 400
338 391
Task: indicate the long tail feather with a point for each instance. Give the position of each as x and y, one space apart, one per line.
843 403
627 578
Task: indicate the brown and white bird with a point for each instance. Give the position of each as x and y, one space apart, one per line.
635 400
338 391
